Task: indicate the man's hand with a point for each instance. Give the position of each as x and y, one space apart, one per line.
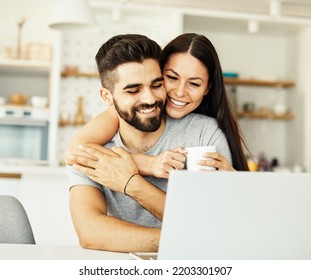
73 150
111 168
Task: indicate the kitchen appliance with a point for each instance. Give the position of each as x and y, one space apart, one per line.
24 134
20 142
23 113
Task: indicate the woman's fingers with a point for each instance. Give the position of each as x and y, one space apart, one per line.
217 160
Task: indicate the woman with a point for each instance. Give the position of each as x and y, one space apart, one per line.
194 83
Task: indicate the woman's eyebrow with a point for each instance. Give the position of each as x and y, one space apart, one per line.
192 78
196 78
171 71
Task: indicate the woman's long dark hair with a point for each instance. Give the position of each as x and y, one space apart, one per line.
215 104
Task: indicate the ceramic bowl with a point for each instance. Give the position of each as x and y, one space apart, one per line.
39 101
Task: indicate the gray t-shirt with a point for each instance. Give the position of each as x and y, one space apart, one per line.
191 130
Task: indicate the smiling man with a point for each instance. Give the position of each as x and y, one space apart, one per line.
113 207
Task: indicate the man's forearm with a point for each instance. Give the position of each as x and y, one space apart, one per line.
112 234
147 195
97 230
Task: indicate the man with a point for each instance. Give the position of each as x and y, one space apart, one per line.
133 84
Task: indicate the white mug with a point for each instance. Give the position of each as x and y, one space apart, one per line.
195 154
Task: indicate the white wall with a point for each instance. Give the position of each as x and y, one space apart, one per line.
295 133
35 30
302 100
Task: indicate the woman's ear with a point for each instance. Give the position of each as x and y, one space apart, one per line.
209 87
106 96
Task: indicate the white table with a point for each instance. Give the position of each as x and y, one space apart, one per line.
52 252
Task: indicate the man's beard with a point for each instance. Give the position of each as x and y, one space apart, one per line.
149 125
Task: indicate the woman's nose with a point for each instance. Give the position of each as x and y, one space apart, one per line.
180 91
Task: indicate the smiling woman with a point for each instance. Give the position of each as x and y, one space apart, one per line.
193 74
186 82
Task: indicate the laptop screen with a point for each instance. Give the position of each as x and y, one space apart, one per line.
237 215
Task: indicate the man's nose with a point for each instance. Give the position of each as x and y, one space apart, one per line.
148 97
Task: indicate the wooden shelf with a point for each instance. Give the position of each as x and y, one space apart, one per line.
259 115
79 74
258 83
62 124
11 175
228 81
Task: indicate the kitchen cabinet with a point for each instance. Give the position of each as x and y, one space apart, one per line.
25 127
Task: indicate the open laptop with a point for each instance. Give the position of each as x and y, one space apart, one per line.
237 215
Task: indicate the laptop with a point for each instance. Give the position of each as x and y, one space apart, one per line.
236 216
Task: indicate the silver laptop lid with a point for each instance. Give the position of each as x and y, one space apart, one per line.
237 215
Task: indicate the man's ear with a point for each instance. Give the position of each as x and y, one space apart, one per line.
106 95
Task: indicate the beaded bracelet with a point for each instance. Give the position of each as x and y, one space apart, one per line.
124 190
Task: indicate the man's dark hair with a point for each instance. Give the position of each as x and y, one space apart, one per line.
123 49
